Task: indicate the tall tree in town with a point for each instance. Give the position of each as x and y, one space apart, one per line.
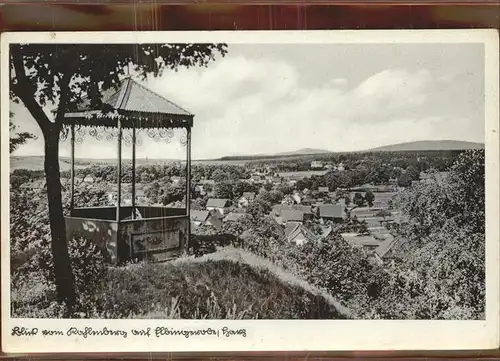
369 198
57 76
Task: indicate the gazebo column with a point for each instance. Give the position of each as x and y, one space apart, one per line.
133 171
72 189
188 181
119 173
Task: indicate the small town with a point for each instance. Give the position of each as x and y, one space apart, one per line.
306 215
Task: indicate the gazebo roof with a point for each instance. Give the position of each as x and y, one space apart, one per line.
135 105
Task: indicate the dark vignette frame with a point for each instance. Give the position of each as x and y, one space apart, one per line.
127 15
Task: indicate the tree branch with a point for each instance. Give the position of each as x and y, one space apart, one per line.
23 92
63 99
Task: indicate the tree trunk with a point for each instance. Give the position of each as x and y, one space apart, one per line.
62 265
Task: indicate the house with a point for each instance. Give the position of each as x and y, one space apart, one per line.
367 242
218 204
333 212
215 213
288 199
306 200
34 185
383 199
315 207
316 164
297 234
175 179
200 218
323 190
384 252
364 212
234 216
372 221
307 209
277 180
292 215
325 232
278 209
340 167
140 195
297 198
393 181
246 199
257 178
89 179
210 182
433 177
380 232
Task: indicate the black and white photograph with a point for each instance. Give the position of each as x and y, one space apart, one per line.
250 180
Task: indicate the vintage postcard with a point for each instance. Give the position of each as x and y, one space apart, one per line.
228 191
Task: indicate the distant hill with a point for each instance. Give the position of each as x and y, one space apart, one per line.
286 155
429 145
304 151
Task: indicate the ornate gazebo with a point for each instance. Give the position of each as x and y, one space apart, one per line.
133 231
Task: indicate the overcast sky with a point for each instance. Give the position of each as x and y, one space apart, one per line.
276 98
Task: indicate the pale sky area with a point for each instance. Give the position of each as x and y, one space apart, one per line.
277 98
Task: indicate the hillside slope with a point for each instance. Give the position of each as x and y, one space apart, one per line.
429 145
228 284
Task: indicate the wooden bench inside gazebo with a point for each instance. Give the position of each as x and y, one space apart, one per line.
133 231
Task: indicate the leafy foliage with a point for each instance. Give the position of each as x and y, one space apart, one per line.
441 274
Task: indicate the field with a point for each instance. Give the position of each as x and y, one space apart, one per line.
36 163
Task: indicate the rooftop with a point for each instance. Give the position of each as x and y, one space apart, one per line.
332 210
292 216
199 216
233 217
385 247
292 230
217 202
360 240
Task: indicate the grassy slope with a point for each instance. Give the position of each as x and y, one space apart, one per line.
229 284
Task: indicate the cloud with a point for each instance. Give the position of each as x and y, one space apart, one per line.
339 82
246 105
